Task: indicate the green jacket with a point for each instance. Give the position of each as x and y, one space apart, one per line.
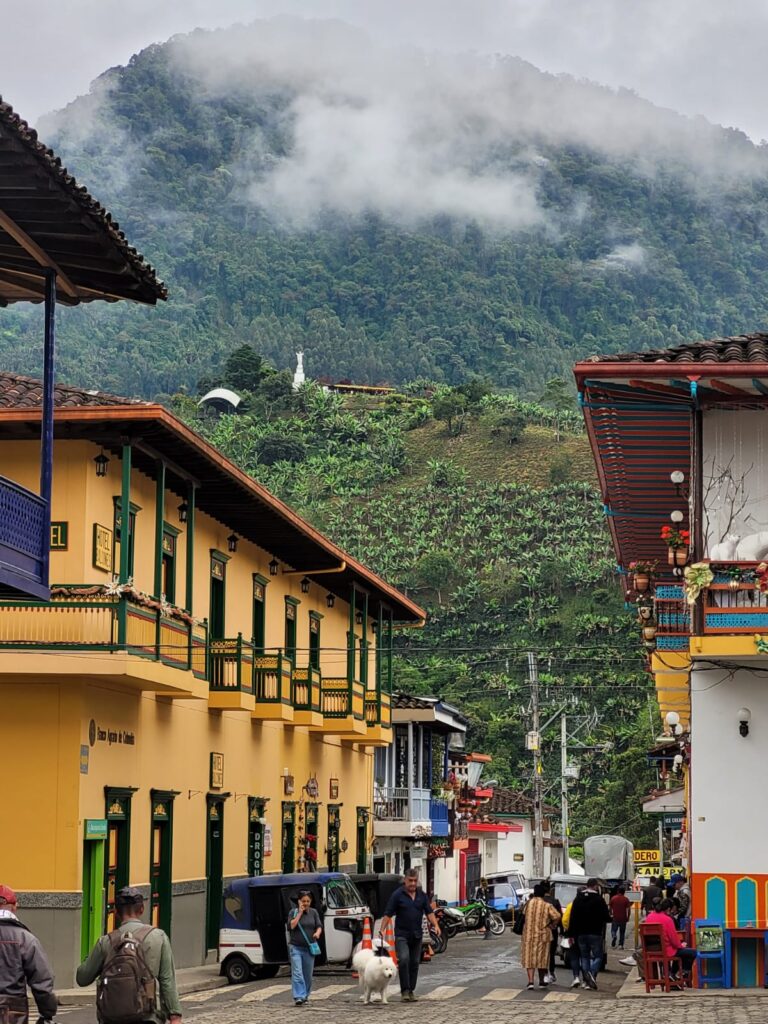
159 957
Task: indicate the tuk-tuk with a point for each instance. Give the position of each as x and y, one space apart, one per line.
253 941
376 890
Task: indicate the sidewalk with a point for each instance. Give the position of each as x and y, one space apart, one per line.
188 979
633 988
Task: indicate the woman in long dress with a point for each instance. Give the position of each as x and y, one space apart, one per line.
537 936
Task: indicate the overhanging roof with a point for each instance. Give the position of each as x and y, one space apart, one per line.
47 220
428 710
672 802
224 491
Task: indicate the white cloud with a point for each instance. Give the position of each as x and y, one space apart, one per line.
623 257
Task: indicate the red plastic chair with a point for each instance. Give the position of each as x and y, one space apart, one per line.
657 966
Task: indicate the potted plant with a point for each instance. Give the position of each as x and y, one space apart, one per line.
642 573
697 577
678 541
644 603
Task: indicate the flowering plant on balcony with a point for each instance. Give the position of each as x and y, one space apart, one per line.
761 577
674 537
697 577
643 566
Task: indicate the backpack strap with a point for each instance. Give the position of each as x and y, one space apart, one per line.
118 936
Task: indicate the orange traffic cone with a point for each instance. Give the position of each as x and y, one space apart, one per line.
367 934
390 940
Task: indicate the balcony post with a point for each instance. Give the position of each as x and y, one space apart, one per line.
697 509
379 652
190 546
159 525
410 767
351 643
239 662
125 513
46 426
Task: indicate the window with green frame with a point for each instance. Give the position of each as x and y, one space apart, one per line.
314 639
170 533
259 612
118 530
291 614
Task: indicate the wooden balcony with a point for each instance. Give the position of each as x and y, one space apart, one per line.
231 675
378 719
114 637
24 543
343 707
307 697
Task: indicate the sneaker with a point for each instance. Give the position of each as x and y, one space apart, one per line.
412 997
405 997
575 983
529 985
628 961
590 980
552 979
584 984
613 943
543 984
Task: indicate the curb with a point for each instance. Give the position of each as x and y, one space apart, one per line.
83 996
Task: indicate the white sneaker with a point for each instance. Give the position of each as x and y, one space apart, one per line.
628 961
575 983
584 984
547 979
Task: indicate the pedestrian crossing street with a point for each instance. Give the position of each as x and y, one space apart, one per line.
350 992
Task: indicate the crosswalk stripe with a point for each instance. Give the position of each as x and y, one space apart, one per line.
499 995
445 992
330 990
201 997
261 994
560 997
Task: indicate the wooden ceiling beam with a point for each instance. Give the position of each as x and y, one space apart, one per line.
30 246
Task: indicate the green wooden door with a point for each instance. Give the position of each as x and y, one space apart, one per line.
214 872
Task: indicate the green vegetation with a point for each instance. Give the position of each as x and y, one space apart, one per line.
505 561
368 300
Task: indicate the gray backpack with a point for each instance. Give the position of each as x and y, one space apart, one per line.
126 990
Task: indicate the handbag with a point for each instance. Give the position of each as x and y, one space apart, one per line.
566 942
519 924
314 947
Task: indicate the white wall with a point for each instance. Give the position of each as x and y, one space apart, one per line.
447 877
735 441
729 823
517 843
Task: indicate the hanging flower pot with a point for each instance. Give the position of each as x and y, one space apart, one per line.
681 556
642 581
649 632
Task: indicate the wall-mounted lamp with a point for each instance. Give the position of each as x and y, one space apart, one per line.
676 516
102 462
274 565
677 477
305 584
330 600
232 541
359 618
744 716
344 845
183 512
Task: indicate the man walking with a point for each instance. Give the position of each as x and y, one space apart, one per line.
151 949
589 916
620 907
22 962
407 905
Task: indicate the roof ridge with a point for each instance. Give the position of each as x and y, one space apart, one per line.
21 391
753 344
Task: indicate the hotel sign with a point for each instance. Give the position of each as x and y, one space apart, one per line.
102 548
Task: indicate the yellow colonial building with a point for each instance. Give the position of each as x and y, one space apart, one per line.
201 697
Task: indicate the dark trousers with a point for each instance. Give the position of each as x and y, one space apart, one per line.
591 953
618 928
408 949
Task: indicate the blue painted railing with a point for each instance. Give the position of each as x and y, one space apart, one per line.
24 540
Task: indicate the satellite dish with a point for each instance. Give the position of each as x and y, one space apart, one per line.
221 399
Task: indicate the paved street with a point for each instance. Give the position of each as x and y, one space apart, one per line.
475 981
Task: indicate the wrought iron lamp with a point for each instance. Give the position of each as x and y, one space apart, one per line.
232 540
102 462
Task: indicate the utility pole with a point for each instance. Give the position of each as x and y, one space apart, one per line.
538 837
564 793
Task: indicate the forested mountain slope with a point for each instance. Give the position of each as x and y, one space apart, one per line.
397 216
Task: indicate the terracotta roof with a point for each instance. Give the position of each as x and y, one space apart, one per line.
742 348
405 702
18 392
47 219
509 801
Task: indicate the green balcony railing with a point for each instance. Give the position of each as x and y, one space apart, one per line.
273 679
231 665
307 689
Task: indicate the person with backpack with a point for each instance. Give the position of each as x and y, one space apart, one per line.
22 962
134 965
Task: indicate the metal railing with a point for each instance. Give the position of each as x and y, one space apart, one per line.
392 803
24 536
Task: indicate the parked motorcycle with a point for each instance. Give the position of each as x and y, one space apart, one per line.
471 917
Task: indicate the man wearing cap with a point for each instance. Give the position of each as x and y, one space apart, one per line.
156 947
22 962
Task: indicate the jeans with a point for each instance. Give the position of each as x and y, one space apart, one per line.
302 965
591 953
618 928
408 949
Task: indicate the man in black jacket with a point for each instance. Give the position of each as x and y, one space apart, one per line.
22 962
589 916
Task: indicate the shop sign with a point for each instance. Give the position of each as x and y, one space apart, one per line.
267 840
96 734
518 858
95 828
217 771
102 548
647 857
59 536
673 821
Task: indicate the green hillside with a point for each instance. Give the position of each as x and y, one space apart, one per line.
494 526
542 219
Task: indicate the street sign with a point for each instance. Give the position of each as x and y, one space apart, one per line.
673 821
647 857
634 895
95 828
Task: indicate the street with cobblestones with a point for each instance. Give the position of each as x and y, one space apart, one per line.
479 982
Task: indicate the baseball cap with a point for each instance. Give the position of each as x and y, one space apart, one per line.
7 895
128 896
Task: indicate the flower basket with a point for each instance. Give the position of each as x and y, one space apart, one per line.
697 577
641 582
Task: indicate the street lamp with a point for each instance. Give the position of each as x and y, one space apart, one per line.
744 716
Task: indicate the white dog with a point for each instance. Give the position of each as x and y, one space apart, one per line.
376 977
360 962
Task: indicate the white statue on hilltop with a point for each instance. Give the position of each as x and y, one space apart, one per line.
298 377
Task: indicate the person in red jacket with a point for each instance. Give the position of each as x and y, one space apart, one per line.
673 944
620 907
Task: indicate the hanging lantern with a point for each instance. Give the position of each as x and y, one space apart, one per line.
232 542
330 600
305 583
274 565
102 462
183 512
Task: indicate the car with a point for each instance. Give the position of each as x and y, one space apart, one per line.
502 898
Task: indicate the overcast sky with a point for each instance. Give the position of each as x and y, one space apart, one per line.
695 56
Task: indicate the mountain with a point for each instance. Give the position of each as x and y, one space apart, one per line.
397 215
